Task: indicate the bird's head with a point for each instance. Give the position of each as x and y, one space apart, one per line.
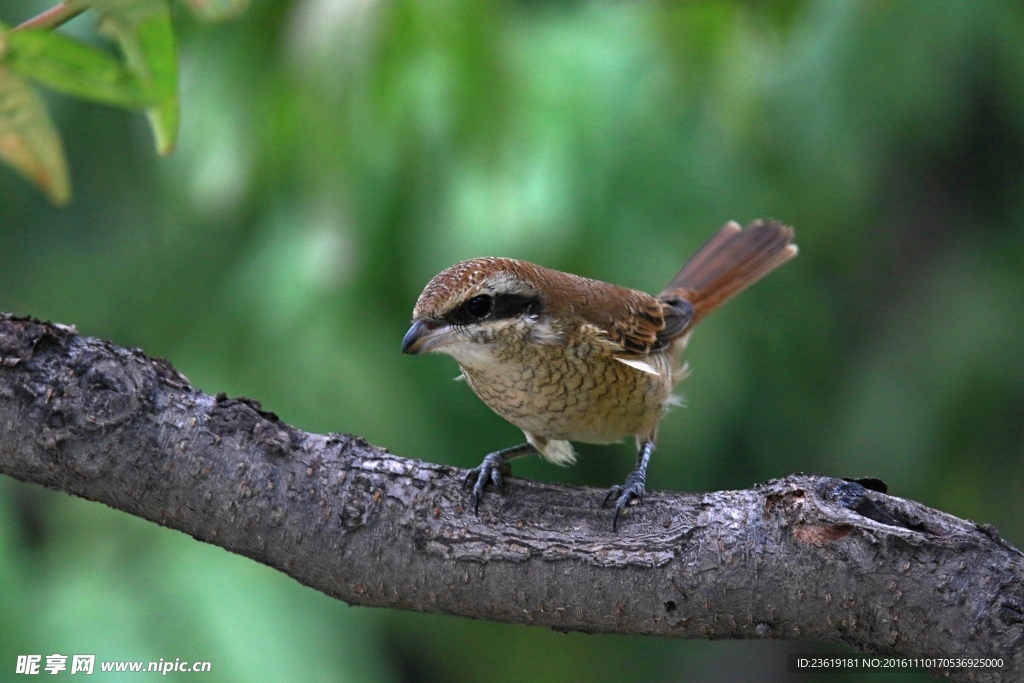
476 304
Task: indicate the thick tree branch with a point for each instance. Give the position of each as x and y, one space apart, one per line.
804 557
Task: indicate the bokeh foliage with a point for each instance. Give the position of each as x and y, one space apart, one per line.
334 156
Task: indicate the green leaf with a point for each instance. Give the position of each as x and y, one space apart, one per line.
217 10
143 31
29 141
75 69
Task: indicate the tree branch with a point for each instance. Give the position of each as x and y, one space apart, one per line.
60 13
805 557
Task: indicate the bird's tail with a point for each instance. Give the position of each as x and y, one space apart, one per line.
732 260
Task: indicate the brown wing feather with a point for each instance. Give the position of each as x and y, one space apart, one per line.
637 323
730 261
630 319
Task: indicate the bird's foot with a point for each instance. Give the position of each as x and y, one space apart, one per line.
626 493
490 471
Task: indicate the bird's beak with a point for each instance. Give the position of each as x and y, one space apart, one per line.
425 336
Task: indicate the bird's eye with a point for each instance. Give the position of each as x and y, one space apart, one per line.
479 306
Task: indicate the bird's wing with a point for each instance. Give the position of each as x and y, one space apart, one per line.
630 319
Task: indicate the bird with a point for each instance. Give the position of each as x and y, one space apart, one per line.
566 358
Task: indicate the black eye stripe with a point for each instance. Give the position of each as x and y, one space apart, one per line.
511 305
502 306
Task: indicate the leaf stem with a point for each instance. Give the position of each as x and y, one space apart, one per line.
51 18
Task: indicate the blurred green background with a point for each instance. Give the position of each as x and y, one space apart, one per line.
335 155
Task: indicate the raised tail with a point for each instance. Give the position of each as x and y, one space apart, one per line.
732 260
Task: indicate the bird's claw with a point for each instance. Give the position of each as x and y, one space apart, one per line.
625 494
490 471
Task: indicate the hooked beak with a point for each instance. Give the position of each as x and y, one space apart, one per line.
425 336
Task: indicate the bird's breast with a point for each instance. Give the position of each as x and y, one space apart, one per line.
574 391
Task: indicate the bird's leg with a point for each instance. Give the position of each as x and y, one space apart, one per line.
634 486
491 470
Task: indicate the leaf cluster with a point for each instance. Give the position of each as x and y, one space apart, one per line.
141 75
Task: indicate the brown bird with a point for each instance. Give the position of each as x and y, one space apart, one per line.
566 358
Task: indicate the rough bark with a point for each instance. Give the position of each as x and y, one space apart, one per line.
805 557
